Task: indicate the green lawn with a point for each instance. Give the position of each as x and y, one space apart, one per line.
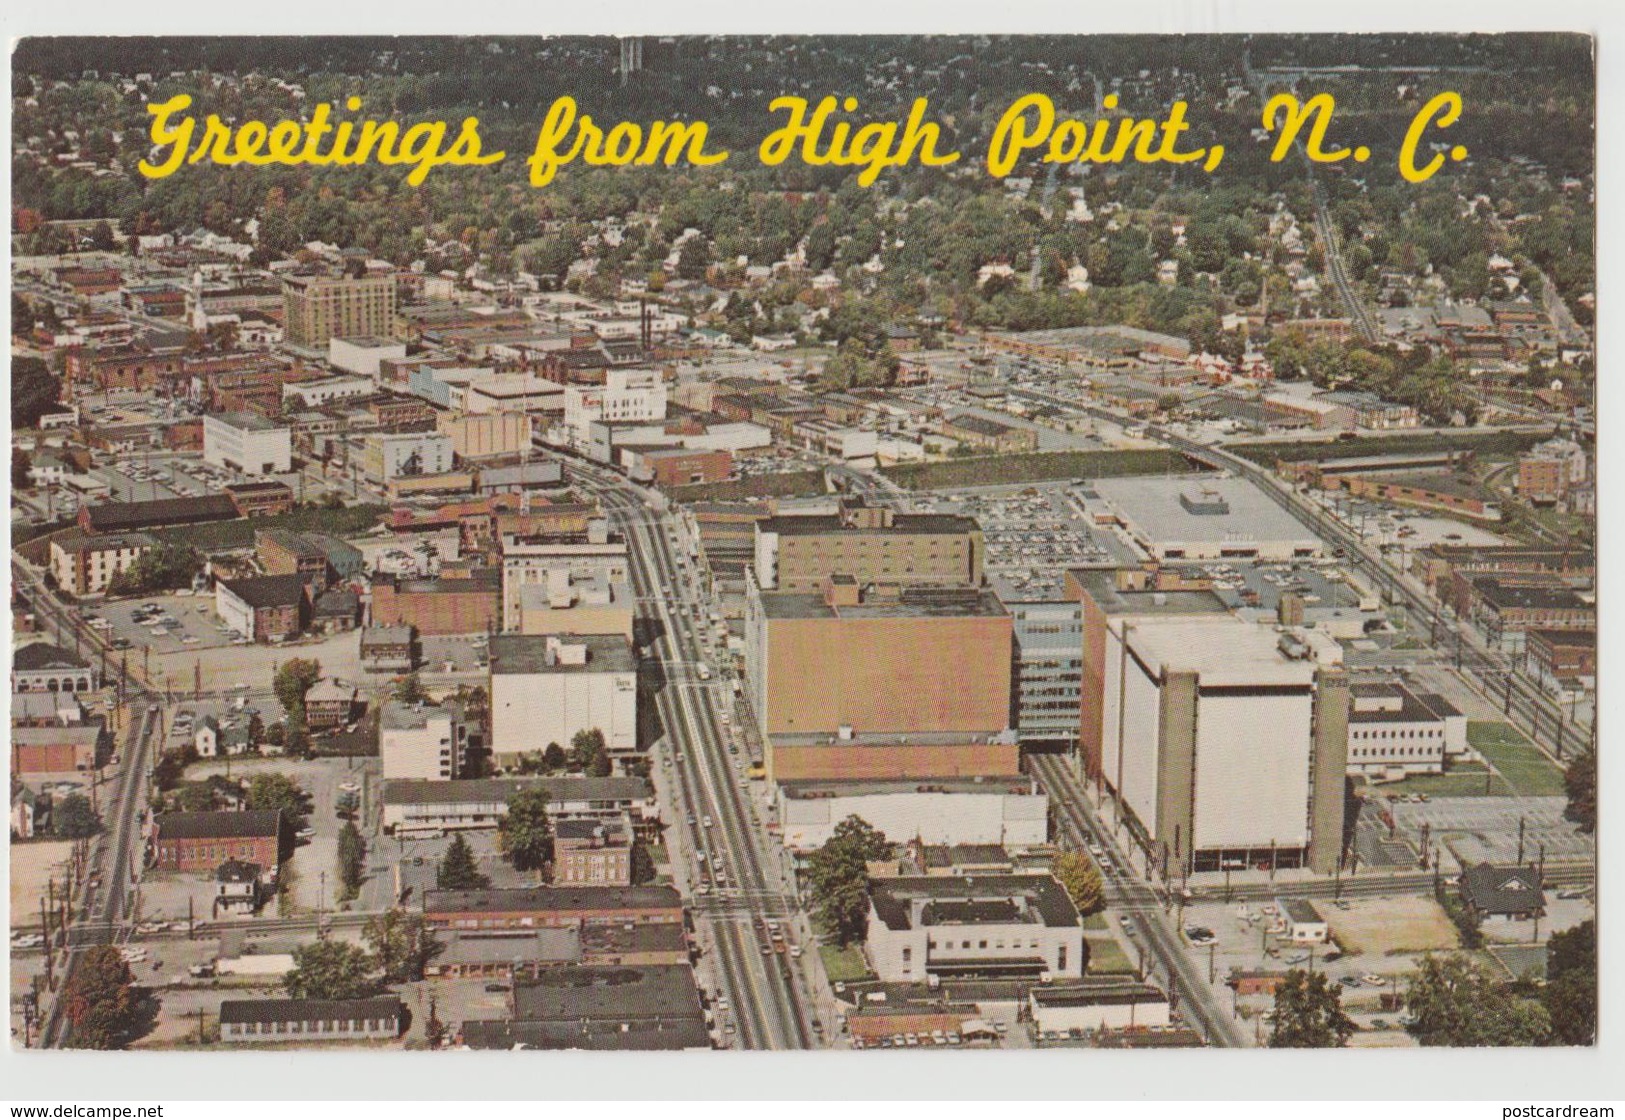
1095 922
1463 780
1519 761
1106 956
844 964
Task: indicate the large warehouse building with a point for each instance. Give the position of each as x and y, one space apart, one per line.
1204 518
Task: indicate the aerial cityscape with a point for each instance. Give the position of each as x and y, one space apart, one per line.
733 606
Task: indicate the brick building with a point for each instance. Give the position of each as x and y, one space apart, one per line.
541 907
85 563
264 608
203 841
39 751
465 604
594 852
260 499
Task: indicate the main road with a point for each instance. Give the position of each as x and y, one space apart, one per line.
102 914
739 884
1130 896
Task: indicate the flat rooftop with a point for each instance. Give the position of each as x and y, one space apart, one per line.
1223 652
527 653
916 603
1209 509
813 790
245 421
1101 586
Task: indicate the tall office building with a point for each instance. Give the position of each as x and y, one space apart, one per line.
316 308
1226 741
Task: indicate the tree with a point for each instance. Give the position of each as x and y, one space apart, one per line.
292 681
1453 1003
457 870
409 689
35 390
163 567
195 798
1580 783
401 944
1078 874
99 1000
553 758
72 818
693 259
277 791
20 464
588 745
643 864
1169 402
352 858
524 833
1309 1013
1570 994
330 970
839 874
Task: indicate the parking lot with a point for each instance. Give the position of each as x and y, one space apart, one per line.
1243 940
172 623
1479 829
1032 535
313 857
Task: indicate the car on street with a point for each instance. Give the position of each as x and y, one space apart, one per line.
496 987
1374 980
1349 981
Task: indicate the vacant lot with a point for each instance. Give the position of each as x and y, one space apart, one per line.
225 536
31 865
1106 957
1483 444
1526 770
844 964
1003 470
1391 925
785 484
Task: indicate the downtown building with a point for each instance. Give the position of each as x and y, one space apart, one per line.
316 308
1224 741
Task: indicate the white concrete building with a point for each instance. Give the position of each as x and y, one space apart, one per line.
1008 926
1108 1004
1205 518
1003 811
1394 732
246 442
386 456
362 354
1225 740
530 561
85 563
423 741
545 688
626 396
324 390
418 807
